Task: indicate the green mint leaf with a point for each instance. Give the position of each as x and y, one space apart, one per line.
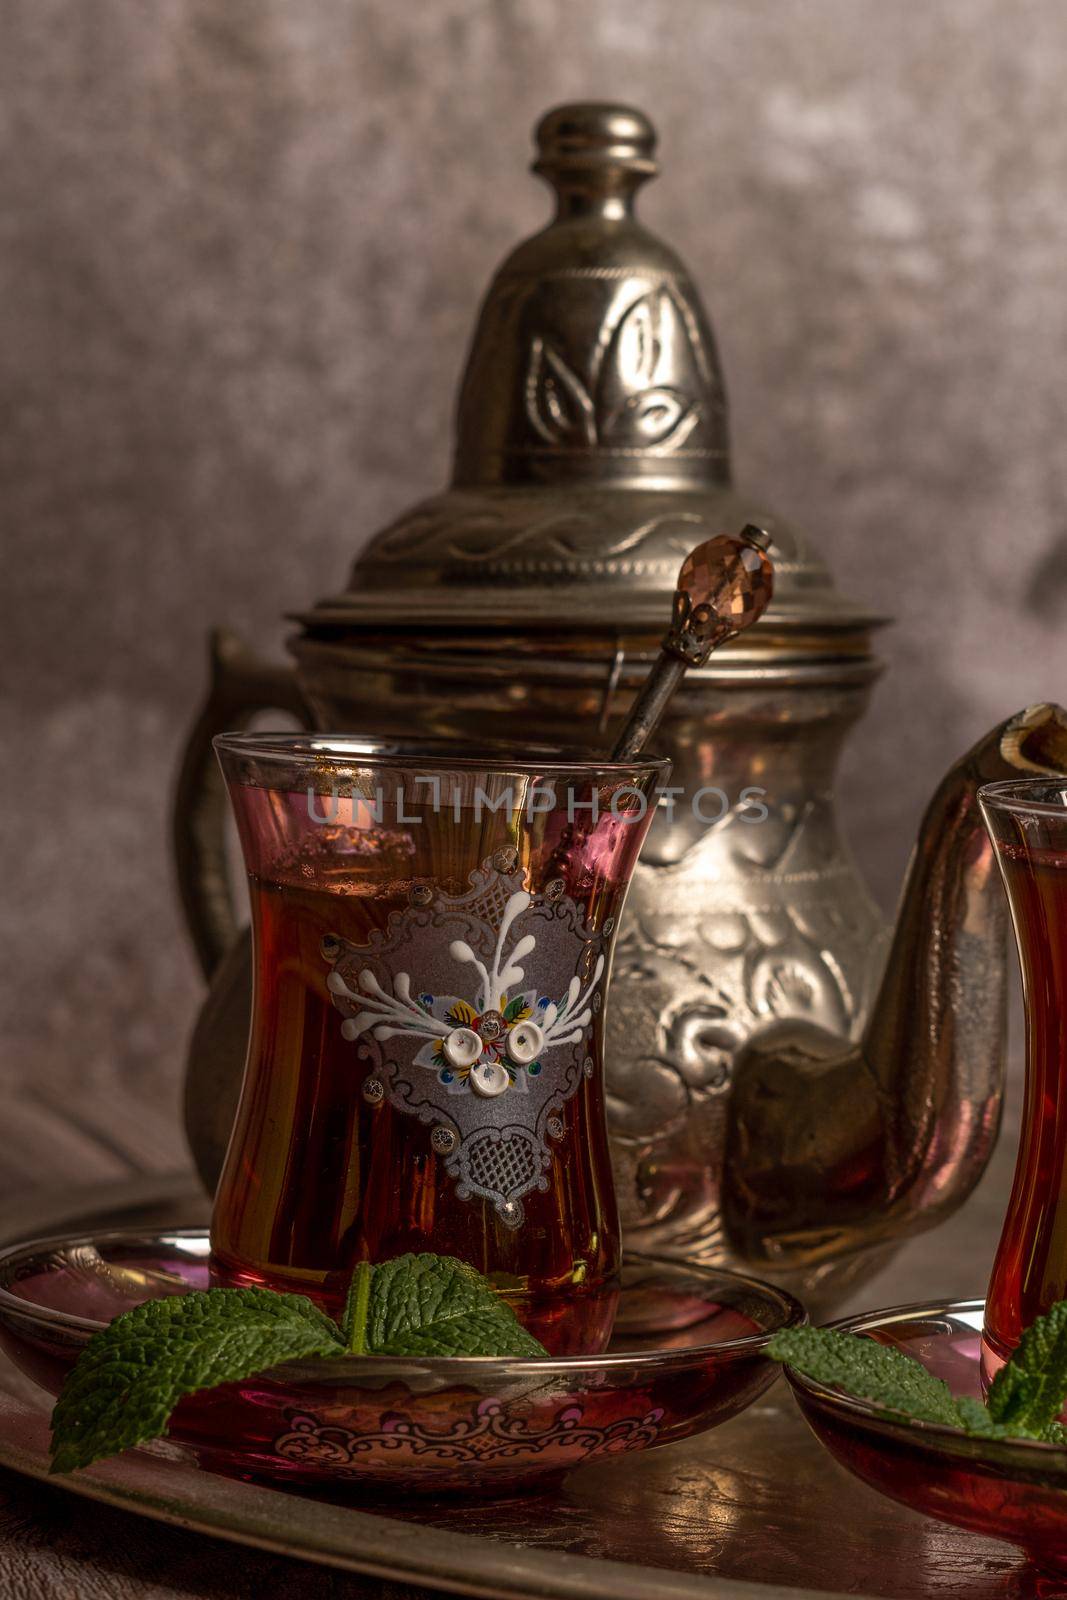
132 1374
436 1305
977 1420
475 1333
974 1415
878 1373
1028 1393
354 1321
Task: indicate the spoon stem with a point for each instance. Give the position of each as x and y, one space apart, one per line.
655 693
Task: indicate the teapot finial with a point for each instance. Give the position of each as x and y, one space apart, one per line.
592 444
593 364
595 155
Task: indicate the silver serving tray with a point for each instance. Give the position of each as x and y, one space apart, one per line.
754 1510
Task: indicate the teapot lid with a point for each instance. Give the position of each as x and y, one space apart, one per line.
592 446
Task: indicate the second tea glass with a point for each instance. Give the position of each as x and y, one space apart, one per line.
1027 822
433 934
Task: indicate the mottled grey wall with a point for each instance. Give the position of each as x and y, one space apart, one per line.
241 246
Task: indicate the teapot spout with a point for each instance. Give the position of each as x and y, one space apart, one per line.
836 1146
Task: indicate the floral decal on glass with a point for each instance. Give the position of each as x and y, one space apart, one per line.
486 1047
474 1011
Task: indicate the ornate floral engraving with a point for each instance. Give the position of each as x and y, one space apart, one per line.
512 533
491 1066
557 402
639 404
629 399
488 1432
749 926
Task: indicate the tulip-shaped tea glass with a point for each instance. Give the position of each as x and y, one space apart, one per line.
1027 822
433 933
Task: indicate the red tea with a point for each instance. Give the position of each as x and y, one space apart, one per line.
1030 1270
424 1067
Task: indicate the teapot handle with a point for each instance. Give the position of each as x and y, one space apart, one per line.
241 684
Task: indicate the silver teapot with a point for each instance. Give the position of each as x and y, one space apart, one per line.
780 1096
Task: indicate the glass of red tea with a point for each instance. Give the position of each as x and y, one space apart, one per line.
433 931
1027 822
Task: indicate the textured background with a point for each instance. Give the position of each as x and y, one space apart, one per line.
242 243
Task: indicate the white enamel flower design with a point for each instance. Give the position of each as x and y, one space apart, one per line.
485 1046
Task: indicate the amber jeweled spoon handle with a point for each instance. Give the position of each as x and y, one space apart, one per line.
724 586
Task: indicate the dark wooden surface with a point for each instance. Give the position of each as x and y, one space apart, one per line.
757 1500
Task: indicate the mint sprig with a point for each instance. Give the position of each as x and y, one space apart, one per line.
1024 1400
357 1308
131 1374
